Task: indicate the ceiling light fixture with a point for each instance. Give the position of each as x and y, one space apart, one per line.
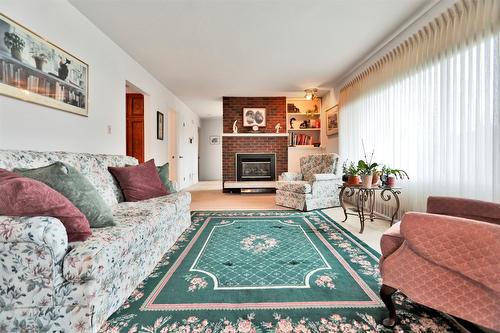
310 94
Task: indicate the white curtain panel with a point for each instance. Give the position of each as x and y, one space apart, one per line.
432 108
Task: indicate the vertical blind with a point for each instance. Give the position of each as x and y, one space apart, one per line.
431 106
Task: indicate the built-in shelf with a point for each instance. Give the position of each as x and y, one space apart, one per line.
304 147
303 114
255 134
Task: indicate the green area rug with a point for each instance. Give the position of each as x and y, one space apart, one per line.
266 271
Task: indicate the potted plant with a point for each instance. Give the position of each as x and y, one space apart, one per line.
40 59
376 177
352 173
366 169
15 44
389 176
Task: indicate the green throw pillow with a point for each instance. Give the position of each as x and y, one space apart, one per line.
66 180
163 172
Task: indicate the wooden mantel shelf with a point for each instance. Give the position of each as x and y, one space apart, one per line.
254 134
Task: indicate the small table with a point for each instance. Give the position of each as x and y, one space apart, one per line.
367 196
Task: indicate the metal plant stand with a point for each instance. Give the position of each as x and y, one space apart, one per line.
365 201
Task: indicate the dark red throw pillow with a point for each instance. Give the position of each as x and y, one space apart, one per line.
139 182
22 196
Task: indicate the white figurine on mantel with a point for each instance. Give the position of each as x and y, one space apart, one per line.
235 128
278 127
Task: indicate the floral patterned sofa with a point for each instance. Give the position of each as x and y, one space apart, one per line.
316 187
48 284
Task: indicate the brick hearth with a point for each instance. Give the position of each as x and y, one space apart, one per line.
265 145
275 113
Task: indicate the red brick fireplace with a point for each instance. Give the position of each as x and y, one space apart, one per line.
247 141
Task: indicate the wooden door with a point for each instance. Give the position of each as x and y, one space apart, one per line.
135 126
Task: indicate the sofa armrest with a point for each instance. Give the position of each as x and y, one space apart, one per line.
39 230
465 246
290 176
327 176
31 250
466 208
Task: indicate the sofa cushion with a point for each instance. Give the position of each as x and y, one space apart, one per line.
163 172
296 186
391 240
66 180
137 223
139 182
94 167
22 196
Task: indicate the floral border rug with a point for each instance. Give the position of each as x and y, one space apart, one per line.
267 271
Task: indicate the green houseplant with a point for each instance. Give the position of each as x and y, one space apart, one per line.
15 44
389 176
367 169
352 172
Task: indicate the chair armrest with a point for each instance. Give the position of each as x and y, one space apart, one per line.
326 176
290 176
31 250
466 208
465 246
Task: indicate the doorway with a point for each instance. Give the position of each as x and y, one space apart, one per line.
172 144
135 125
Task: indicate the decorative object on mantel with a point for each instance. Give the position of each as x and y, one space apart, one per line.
254 117
257 134
310 94
235 128
277 127
45 75
255 128
332 120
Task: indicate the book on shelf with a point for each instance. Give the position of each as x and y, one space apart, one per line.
300 140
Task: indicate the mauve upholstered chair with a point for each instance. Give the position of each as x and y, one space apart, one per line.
447 259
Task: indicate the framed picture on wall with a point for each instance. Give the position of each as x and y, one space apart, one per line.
159 125
332 120
33 69
214 139
254 117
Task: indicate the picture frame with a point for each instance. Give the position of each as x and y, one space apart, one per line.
159 125
332 120
214 139
35 70
254 117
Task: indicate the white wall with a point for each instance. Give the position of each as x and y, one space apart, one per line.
210 155
331 143
30 126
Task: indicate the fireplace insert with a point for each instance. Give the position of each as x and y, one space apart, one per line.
255 167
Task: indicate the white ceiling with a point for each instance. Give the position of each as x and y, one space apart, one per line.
205 49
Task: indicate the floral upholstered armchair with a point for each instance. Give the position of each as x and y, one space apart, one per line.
315 187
